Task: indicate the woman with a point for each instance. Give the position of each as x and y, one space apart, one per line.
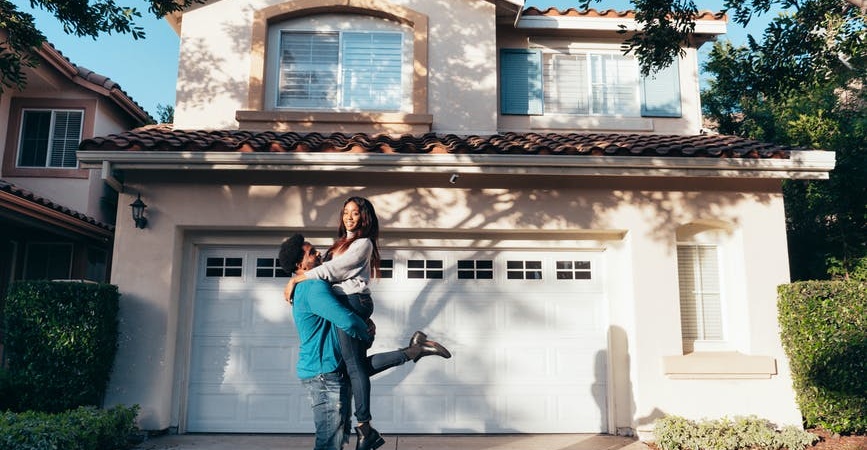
349 264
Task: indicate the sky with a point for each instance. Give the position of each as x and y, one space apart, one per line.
147 69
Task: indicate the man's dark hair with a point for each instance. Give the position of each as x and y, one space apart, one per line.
291 253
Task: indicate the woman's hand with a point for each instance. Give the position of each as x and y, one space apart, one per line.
289 290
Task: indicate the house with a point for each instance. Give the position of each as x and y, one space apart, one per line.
56 217
592 260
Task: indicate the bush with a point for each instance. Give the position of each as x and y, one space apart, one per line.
824 333
677 433
61 338
85 428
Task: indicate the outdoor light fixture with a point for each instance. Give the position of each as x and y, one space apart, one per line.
138 208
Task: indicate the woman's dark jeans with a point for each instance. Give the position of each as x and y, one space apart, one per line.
359 366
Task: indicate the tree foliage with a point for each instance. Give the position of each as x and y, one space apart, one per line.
753 94
83 18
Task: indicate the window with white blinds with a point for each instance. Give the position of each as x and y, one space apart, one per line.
49 138
591 84
341 70
700 297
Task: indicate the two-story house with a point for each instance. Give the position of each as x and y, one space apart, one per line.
57 218
559 222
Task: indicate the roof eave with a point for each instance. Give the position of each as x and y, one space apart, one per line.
702 27
809 164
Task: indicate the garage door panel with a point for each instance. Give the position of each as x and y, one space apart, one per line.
529 354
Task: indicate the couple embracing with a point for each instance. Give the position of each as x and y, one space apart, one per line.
332 307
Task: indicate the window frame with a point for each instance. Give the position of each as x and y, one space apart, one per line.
16 115
340 87
51 137
590 57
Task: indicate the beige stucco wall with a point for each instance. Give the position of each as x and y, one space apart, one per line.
154 270
214 67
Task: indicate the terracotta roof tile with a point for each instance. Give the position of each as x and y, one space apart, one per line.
610 13
6 186
163 138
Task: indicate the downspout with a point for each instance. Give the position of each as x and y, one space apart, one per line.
109 178
518 16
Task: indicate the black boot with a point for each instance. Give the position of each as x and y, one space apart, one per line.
420 346
368 437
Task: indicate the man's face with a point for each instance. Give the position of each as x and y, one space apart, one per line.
311 258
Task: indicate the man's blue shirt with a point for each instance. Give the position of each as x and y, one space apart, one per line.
318 315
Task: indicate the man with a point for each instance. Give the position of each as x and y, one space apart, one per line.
317 315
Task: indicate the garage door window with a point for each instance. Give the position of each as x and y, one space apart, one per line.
424 269
224 267
475 269
269 268
386 268
524 270
573 270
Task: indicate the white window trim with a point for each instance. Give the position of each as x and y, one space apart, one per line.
53 112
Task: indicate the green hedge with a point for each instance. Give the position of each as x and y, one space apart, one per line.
85 428
824 333
678 433
61 338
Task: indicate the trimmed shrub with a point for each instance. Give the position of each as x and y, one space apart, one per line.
61 338
678 433
824 333
84 428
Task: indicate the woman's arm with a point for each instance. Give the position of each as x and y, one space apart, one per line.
348 264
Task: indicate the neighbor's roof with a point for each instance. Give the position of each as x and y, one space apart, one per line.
27 203
163 138
95 82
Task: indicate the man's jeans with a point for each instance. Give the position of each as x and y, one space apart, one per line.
330 397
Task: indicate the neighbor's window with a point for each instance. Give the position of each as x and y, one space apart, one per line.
48 261
49 138
340 70
700 297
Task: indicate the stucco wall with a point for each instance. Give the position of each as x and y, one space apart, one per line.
214 67
153 268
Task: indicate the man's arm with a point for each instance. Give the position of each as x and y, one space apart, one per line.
323 303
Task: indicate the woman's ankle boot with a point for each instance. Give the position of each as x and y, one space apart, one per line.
420 346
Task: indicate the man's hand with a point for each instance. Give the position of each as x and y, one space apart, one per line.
289 290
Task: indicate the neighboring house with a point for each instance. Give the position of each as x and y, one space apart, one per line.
57 218
590 257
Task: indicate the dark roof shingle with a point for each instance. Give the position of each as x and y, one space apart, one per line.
163 138
10 188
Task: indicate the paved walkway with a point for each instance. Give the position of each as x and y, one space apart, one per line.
397 442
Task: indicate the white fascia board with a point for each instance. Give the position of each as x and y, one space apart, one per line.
812 164
715 27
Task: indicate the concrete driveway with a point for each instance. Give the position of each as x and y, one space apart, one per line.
397 442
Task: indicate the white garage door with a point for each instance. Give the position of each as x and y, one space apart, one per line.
527 331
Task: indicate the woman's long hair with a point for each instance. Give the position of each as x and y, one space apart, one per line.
368 227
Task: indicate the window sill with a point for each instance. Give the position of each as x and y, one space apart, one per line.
45 172
718 365
567 122
334 122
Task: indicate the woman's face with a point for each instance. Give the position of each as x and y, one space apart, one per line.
351 216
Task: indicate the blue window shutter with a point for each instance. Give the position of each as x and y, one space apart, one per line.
520 81
660 93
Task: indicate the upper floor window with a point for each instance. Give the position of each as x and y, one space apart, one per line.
591 83
340 70
49 138
340 63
